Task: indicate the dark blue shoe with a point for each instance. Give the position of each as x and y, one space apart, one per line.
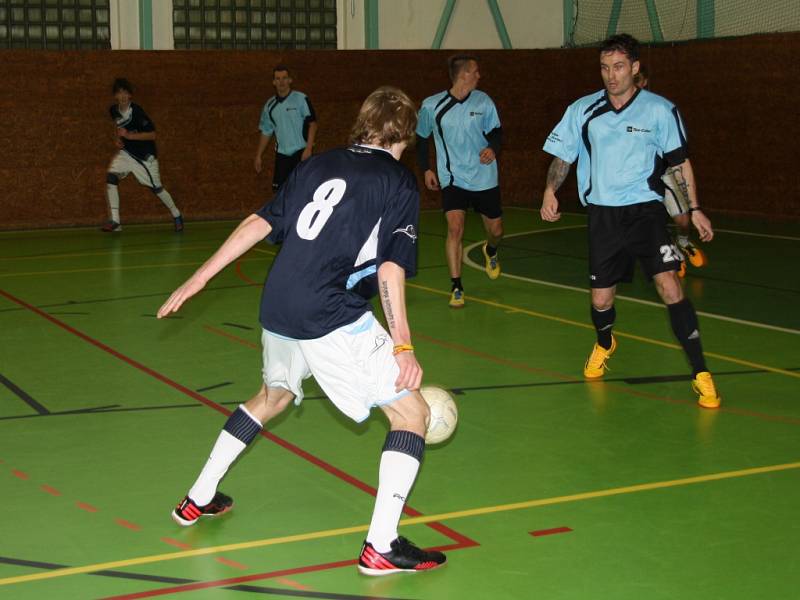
178 223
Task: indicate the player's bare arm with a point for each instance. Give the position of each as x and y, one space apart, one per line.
431 180
249 232
141 136
262 145
556 174
312 135
684 176
391 285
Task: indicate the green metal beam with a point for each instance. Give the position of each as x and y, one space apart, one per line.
613 18
444 21
146 24
500 24
655 22
569 23
706 26
371 24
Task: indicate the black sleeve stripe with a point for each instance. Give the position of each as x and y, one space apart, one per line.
312 115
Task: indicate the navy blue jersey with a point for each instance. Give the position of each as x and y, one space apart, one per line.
621 152
135 120
339 216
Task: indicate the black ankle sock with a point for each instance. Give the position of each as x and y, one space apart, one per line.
457 283
603 323
683 319
491 250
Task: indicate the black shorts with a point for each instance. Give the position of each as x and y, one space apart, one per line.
283 166
619 235
485 202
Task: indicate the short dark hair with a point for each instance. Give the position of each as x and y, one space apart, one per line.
622 42
277 68
457 63
121 83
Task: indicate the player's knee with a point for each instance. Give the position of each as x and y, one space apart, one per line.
157 190
410 412
112 179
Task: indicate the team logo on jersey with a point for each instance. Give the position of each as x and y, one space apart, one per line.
632 129
409 231
475 114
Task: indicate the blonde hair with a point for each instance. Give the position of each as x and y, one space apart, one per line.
387 116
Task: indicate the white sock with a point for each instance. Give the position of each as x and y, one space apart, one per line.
396 476
164 196
225 451
683 240
113 201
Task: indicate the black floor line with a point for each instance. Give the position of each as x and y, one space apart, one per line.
214 387
181 581
164 295
239 326
24 396
458 391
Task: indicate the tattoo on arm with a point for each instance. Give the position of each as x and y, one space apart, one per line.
387 304
557 173
680 180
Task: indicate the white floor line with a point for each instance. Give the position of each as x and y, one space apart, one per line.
470 263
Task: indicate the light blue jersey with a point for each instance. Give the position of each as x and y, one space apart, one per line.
287 118
460 131
621 153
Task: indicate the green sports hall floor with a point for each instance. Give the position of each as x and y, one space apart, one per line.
552 488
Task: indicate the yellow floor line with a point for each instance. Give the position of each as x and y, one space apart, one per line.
411 521
617 333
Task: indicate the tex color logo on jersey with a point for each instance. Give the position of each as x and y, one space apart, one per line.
409 231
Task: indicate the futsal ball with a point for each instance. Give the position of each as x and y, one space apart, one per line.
444 414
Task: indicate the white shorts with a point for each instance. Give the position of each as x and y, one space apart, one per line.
145 171
674 200
353 365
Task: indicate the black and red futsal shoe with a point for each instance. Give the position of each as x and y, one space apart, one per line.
404 557
187 512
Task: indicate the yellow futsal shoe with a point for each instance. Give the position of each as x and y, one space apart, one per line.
595 365
696 256
457 298
704 385
492 264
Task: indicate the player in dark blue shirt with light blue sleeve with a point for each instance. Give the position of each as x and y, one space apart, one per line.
347 222
622 138
466 130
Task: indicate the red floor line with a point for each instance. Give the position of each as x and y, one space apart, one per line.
176 543
50 490
552 531
86 507
293 584
231 563
240 274
211 404
230 336
19 474
127 524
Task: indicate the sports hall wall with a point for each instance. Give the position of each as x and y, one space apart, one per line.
737 96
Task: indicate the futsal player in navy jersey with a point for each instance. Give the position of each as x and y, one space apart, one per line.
467 134
289 116
347 221
135 137
623 137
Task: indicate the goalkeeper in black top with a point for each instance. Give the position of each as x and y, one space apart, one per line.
347 220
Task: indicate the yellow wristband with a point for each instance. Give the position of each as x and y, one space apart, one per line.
403 348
